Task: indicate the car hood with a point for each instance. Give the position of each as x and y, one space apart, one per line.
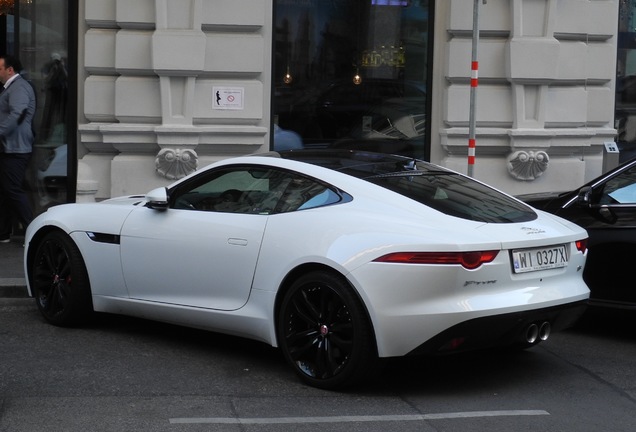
544 200
126 200
540 196
106 216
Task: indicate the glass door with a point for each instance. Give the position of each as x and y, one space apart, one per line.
351 74
625 111
37 33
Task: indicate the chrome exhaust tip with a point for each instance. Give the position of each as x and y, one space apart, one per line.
544 331
532 333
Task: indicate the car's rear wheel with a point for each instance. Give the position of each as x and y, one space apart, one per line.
60 282
324 331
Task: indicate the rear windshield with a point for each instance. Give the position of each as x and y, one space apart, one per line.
444 190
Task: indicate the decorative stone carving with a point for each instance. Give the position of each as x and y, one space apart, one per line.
175 164
527 165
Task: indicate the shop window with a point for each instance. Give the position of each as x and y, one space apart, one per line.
351 74
625 115
37 34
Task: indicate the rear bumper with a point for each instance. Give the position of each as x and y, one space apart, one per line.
500 330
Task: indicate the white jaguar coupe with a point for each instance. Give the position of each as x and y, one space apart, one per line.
339 258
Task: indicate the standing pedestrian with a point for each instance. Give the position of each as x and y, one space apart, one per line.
17 107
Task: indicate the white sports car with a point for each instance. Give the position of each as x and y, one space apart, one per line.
339 258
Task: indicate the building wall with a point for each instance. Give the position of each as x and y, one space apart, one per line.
545 102
546 90
150 70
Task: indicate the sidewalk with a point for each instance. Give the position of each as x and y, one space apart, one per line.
12 281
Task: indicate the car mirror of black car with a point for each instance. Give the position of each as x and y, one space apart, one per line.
607 215
157 199
584 196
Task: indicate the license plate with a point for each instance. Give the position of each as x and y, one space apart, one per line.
528 260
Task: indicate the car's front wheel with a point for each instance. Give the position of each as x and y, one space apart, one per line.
60 282
324 331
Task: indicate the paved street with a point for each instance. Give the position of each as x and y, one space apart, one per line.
124 374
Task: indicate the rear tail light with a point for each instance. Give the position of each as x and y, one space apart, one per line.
469 260
581 245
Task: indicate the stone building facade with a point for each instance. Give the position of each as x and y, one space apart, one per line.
546 90
152 73
150 67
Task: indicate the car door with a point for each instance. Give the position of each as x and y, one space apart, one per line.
191 258
610 219
201 251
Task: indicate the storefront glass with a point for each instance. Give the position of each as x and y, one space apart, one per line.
625 115
36 31
351 74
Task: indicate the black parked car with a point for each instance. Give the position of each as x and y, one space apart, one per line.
606 207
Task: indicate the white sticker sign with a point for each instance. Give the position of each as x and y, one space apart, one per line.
227 98
611 147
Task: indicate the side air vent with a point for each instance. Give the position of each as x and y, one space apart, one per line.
103 238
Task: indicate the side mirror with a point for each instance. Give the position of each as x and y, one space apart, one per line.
607 215
584 197
157 199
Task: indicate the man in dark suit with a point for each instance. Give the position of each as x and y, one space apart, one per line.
17 107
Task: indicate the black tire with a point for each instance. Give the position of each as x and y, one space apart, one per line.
60 282
324 332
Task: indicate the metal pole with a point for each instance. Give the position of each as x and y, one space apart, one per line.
474 77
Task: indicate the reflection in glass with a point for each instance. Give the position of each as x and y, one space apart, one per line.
37 32
625 115
359 73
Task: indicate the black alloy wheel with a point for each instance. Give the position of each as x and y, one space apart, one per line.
60 282
324 332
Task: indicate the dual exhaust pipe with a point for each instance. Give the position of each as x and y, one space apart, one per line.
536 332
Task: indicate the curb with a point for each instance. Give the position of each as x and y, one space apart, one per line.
13 288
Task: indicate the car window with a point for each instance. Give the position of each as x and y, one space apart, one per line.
252 190
434 186
457 196
620 189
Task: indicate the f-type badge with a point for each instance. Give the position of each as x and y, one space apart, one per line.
480 283
531 231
